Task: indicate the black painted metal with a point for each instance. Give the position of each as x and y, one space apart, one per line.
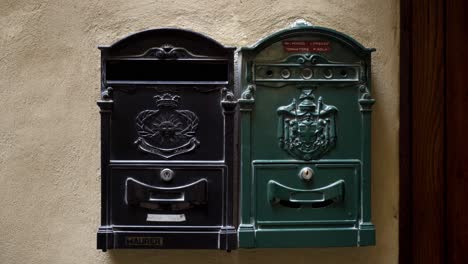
167 142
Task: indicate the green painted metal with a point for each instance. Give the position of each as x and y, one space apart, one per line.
301 122
305 113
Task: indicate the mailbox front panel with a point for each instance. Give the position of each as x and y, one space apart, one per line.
167 145
193 197
331 197
167 123
305 140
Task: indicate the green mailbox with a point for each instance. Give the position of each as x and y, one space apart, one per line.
305 113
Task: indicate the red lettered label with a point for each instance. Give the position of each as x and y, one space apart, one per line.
306 46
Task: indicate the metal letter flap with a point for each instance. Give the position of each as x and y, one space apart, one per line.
316 198
137 193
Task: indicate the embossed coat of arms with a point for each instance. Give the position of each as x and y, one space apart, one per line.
306 129
167 131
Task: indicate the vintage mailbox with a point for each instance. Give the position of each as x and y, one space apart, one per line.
305 140
167 120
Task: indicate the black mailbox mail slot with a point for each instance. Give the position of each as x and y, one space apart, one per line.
147 197
167 147
150 70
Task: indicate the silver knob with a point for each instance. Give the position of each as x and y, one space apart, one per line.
307 73
167 175
306 173
285 73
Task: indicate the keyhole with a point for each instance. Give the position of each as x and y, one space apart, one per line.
306 173
167 175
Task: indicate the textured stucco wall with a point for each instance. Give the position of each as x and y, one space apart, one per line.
49 137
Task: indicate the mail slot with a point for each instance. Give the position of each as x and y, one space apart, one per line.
305 111
167 151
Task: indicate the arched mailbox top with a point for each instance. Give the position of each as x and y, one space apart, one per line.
166 55
305 31
167 43
306 54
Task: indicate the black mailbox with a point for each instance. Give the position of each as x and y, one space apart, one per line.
167 121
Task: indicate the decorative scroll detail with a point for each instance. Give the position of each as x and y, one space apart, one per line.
228 96
249 92
228 102
306 130
167 132
300 23
107 94
307 67
365 101
168 51
314 59
309 59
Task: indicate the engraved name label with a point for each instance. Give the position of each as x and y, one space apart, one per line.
144 241
306 46
165 218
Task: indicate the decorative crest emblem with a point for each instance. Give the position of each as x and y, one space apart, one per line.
167 131
306 130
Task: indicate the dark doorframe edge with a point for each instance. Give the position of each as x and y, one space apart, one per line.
423 172
405 205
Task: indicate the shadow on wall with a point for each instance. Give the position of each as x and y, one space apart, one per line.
242 256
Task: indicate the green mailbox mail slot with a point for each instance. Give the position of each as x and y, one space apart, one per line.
305 140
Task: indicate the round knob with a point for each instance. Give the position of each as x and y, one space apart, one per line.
328 73
285 73
306 173
307 73
167 175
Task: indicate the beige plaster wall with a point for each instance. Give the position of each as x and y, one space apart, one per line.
49 133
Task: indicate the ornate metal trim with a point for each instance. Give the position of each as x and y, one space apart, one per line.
306 129
365 101
107 94
249 92
166 131
300 23
307 68
228 96
168 51
300 28
310 58
228 101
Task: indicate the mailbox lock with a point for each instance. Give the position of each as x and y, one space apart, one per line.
306 173
167 175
